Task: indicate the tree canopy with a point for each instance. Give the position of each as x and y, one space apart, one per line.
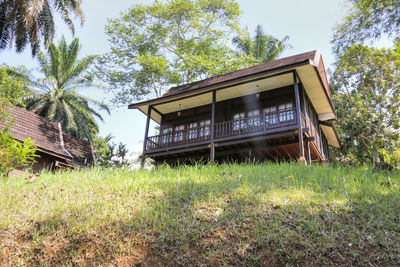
12 91
366 92
110 154
169 43
367 20
28 21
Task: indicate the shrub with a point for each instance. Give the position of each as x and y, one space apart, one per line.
14 154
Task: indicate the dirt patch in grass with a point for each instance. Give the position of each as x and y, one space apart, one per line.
92 250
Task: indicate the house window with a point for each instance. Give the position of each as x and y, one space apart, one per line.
271 117
253 113
204 130
167 130
286 112
179 132
193 130
238 119
166 136
254 119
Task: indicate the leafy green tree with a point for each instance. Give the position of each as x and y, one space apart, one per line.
13 154
109 154
262 47
12 90
55 97
29 21
367 20
366 93
164 44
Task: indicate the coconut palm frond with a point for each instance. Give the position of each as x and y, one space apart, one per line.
55 96
262 47
24 22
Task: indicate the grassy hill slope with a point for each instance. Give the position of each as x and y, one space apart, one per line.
229 214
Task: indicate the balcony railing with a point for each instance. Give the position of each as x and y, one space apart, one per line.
223 129
189 136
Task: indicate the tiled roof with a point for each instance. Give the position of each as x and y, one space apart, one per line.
270 65
46 135
81 150
44 132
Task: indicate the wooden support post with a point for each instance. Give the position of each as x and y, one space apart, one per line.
299 119
146 133
304 105
212 148
308 152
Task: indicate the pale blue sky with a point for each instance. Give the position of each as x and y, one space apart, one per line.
308 23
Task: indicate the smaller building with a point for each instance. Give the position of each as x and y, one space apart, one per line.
56 149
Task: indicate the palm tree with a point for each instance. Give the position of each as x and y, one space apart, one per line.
28 21
262 47
55 97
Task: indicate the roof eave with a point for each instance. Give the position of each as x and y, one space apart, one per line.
159 100
54 154
333 126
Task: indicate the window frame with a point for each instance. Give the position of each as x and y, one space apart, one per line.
193 130
179 136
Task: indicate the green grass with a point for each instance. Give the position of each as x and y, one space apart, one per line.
255 215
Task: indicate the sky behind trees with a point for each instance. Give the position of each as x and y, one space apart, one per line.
308 23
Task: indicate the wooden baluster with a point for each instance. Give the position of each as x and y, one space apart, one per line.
264 121
224 129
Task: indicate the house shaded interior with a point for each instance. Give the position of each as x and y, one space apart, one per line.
271 116
241 121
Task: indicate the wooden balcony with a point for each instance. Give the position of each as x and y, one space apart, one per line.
223 131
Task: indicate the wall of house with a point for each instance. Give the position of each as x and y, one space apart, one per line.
16 172
45 161
311 122
225 110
